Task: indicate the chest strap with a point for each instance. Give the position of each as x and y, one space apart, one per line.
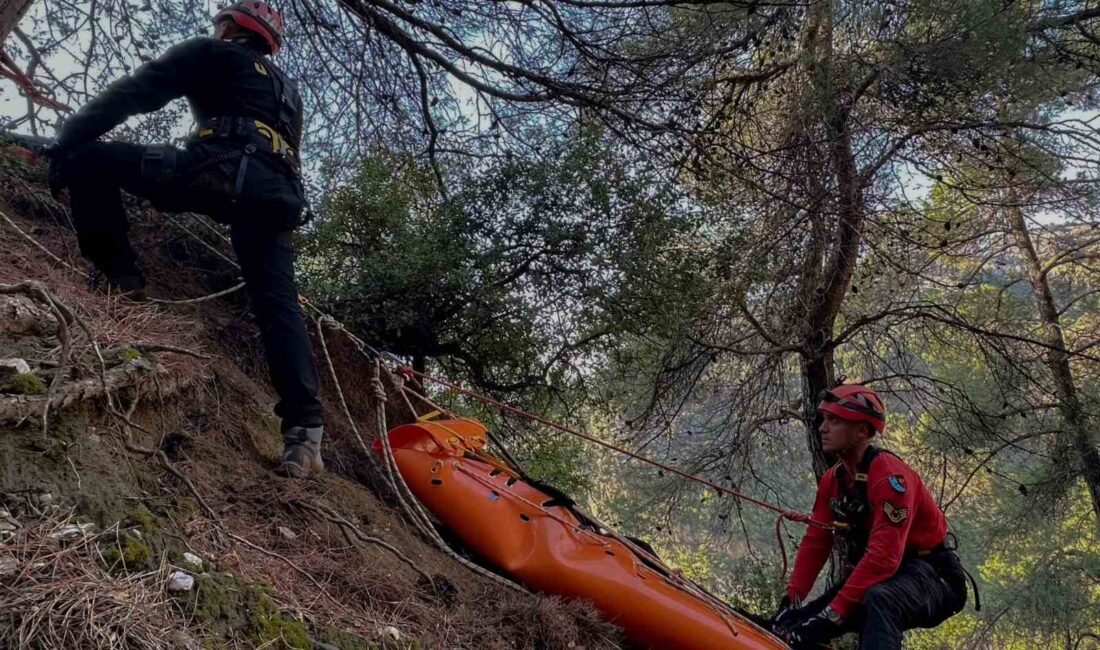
855 503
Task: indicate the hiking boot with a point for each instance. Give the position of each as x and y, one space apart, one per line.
127 285
302 452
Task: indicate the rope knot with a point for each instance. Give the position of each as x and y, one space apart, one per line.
796 516
408 374
378 386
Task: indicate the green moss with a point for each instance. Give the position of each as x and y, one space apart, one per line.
129 354
230 608
143 519
187 505
279 632
216 599
133 554
24 383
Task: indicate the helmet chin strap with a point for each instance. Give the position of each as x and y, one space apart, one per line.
850 445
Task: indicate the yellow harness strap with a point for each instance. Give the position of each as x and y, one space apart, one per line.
278 143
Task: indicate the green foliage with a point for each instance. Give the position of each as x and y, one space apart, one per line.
511 279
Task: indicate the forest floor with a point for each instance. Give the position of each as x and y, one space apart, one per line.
168 447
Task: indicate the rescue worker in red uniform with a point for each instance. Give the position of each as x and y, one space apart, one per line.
900 574
241 166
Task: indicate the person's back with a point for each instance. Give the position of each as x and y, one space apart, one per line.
241 166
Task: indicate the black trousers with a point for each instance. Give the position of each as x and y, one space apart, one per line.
925 591
98 171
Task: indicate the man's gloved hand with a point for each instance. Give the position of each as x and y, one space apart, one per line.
817 630
56 176
786 616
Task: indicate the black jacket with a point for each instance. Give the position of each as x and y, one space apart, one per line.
218 78
234 171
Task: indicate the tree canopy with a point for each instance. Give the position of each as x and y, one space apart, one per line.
677 222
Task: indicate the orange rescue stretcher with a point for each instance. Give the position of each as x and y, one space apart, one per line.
539 539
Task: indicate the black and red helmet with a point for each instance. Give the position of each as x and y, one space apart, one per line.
854 402
258 17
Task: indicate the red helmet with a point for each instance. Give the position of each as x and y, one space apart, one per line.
258 17
854 402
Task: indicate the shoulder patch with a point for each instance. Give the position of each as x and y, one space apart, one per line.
897 481
895 515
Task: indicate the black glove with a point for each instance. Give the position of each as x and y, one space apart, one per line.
786 617
816 630
56 176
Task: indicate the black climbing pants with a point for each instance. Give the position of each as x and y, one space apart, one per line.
96 173
926 591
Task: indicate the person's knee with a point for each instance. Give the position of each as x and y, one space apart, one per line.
82 163
94 163
879 601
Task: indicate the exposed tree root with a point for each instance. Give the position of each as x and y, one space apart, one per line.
334 517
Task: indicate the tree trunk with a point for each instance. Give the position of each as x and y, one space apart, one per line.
817 375
1058 360
11 11
830 258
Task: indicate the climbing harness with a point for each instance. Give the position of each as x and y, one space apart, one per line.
852 511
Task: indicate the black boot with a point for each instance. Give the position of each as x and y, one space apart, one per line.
126 284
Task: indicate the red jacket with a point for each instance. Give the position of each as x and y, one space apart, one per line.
904 517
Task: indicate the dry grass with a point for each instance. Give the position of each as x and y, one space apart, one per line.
330 575
60 596
364 588
116 321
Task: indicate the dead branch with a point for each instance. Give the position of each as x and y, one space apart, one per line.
194 301
155 347
336 518
16 408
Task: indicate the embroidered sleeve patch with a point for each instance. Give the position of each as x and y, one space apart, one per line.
895 515
897 481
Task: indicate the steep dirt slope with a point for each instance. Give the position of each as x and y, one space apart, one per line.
159 442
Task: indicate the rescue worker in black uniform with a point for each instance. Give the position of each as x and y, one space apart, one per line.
241 167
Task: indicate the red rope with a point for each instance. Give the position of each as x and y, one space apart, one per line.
792 515
10 70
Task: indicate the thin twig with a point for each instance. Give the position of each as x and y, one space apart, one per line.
292 565
193 301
